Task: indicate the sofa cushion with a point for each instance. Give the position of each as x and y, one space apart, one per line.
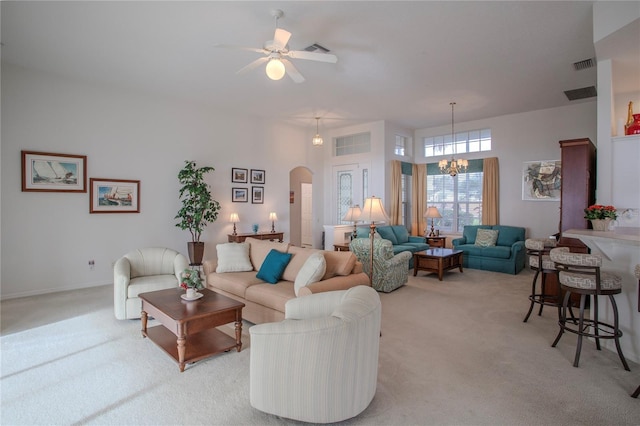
258 250
273 266
338 263
499 252
149 283
416 246
299 256
406 247
235 283
272 296
486 237
401 233
233 257
312 271
387 233
509 235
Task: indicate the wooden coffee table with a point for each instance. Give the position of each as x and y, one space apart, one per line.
437 260
188 329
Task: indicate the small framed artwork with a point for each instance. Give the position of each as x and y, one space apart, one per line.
257 194
257 176
50 172
239 195
541 180
238 175
114 196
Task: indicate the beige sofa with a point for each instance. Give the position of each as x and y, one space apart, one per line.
265 302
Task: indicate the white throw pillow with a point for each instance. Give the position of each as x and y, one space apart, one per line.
311 272
233 257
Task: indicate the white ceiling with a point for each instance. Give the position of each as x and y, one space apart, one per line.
397 61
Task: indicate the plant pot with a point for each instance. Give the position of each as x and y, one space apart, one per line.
600 224
191 292
196 252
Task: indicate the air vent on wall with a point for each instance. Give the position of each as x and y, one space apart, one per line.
583 65
582 93
315 47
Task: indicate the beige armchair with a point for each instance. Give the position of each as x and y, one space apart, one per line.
320 364
142 270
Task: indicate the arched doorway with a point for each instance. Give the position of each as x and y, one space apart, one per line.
301 207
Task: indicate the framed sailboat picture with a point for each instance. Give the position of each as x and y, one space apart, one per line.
49 172
114 196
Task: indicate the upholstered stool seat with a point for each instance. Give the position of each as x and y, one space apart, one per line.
539 261
580 273
637 273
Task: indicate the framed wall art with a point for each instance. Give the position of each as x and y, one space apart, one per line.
257 194
257 176
238 175
114 196
50 172
239 195
541 180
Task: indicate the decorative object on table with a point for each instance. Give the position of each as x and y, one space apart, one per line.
634 127
541 180
239 175
190 280
353 215
432 213
239 195
273 217
600 216
114 196
257 176
257 194
373 212
50 172
234 219
317 139
198 207
456 166
255 228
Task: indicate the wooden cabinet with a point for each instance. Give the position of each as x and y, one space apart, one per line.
271 236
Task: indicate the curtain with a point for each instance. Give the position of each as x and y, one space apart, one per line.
490 191
418 199
396 192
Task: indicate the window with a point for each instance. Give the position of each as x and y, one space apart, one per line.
345 192
459 198
353 144
406 197
351 186
472 141
401 145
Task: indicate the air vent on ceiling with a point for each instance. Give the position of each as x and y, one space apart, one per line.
583 65
315 47
582 93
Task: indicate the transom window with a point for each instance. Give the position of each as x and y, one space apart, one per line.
353 144
401 145
472 141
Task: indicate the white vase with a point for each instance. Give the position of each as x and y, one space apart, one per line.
191 293
600 224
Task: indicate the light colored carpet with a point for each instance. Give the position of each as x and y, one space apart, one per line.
452 352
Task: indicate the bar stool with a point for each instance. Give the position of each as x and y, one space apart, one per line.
539 261
637 273
580 273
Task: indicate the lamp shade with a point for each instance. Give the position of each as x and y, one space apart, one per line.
275 69
273 216
373 211
234 218
433 213
353 214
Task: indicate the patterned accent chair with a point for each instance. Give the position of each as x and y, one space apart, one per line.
319 365
580 273
389 271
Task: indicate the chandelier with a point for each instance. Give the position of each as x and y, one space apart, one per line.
455 166
317 139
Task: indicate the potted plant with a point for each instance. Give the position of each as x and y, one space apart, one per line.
600 216
198 207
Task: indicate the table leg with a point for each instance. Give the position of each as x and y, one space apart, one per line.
181 351
440 269
238 335
143 317
415 265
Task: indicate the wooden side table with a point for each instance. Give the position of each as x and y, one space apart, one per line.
271 236
436 241
341 247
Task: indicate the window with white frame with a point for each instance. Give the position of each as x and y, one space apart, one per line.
472 141
401 145
405 216
353 144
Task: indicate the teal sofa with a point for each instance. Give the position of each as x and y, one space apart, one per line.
508 255
399 237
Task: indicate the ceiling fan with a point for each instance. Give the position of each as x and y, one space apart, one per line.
277 51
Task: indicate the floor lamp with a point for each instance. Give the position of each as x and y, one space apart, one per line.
373 212
353 215
433 213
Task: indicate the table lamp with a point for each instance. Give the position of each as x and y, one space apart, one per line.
373 212
353 215
273 217
234 219
433 213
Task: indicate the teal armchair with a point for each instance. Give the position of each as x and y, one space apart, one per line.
389 271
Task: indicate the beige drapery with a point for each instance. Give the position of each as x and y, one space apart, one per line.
396 192
418 198
490 191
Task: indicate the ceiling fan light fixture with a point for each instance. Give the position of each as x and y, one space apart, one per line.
317 139
275 69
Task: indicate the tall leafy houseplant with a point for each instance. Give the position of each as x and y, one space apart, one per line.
198 207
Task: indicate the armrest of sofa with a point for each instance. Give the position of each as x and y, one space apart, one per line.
458 241
121 279
209 266
321 305
517 246
417 239
335 283
399 259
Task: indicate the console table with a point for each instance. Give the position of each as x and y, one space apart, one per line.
271 236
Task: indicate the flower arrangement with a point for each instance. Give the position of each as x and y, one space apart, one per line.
598 211
190 278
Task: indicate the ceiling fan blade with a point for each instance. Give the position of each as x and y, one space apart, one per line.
233 46
281 38
312 56
252 65
292 71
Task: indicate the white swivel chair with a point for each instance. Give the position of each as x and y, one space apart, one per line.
320 364
142 270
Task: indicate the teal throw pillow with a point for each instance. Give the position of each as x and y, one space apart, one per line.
273 266
486 237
